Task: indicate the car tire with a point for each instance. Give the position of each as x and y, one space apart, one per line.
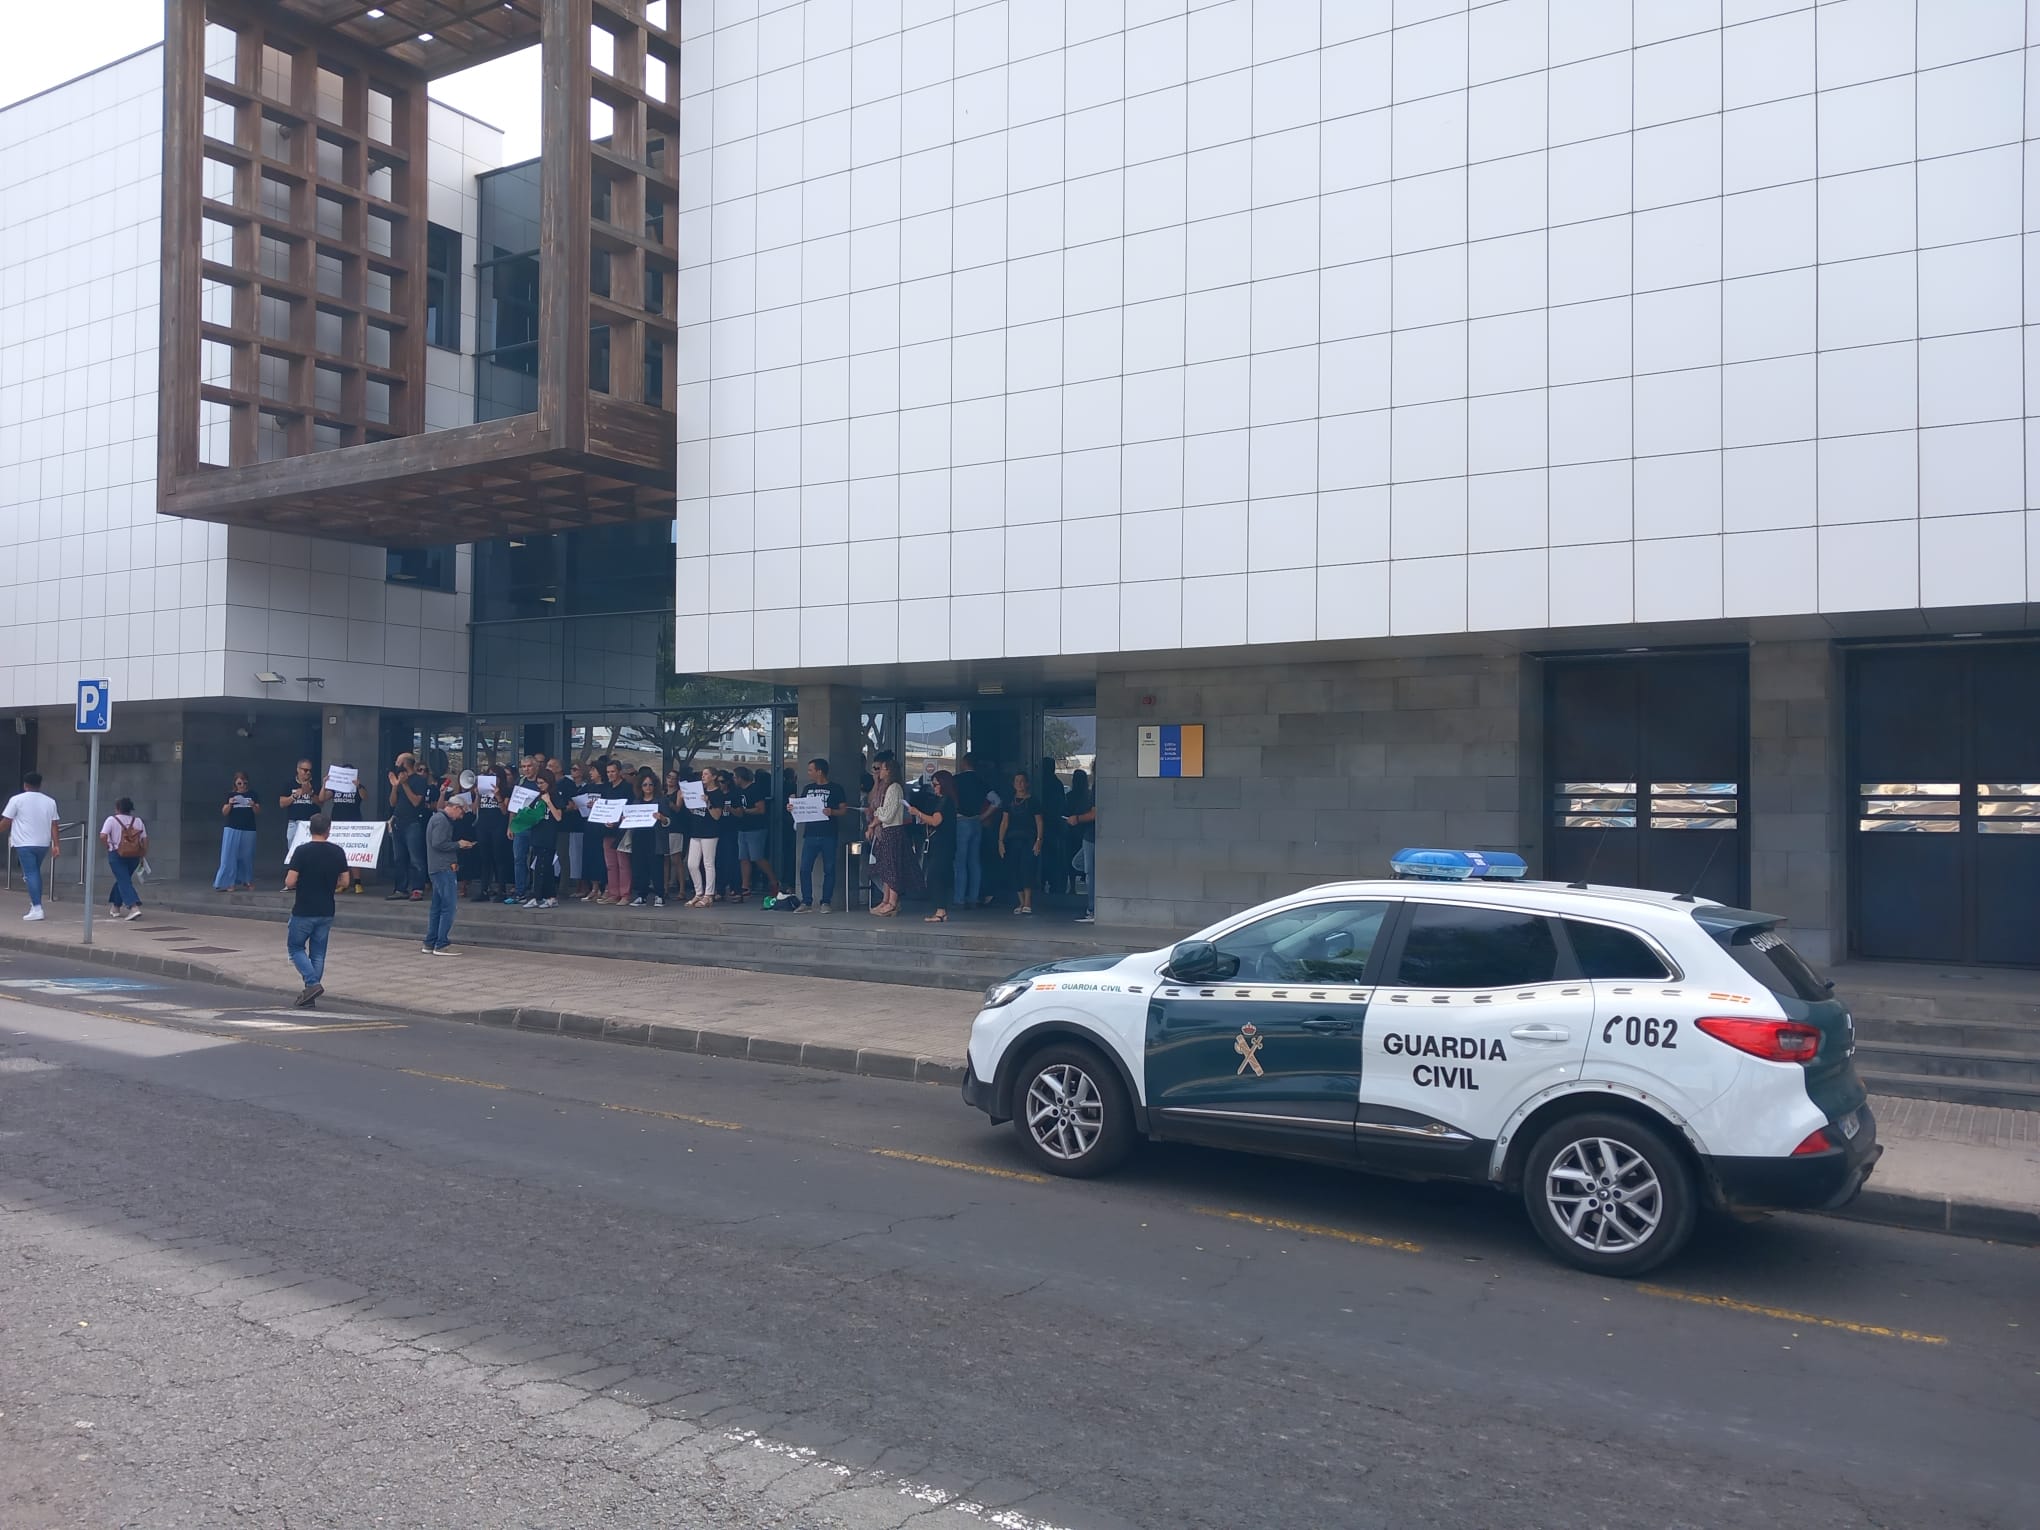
1071 1112
1609 1194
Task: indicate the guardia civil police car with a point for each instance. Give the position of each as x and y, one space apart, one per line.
1619 1057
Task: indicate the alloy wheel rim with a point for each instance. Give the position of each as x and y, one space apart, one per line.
1604 1195
1065 1112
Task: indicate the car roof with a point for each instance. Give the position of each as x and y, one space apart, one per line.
1557 897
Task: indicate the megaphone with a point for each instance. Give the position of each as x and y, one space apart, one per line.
467 780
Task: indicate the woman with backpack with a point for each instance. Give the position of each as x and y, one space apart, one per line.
126 839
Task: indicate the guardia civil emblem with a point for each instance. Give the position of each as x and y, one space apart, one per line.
1248 1045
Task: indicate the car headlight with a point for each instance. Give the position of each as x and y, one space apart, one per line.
999 995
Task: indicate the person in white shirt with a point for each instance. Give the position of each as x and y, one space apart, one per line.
126 839
30 820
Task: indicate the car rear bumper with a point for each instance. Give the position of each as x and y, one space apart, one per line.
1809 1182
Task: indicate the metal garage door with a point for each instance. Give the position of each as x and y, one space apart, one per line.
1646 764
1944 748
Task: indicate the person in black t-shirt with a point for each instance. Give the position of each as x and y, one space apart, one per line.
615 864
1080 812
818 840
973 809
754 802
1020 829
410 799
237 838
317 870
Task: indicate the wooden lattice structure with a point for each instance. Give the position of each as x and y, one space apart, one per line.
294 234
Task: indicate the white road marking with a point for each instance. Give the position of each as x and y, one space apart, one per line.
920 1492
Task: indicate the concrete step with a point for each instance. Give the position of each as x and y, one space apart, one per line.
1958 1091
1952 1035
1928 1060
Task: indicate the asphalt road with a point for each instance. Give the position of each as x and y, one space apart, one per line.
420 1274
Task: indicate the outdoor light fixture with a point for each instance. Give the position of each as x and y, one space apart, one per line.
268 677
318 680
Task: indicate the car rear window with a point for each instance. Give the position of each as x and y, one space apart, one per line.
1766 956
1606 952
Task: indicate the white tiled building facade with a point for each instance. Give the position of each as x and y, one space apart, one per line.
1023 327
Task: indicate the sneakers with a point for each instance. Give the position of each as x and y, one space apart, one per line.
512 901
309 997
531 903
425 950
1087 919
658 902
33 914
444 951
133 913
417 897
397 897
637 903
550 903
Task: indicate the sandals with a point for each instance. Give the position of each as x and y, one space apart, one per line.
940 916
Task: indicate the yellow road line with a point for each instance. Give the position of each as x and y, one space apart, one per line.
674 1115
957 1163
1310 1229
453 1078
1786 1315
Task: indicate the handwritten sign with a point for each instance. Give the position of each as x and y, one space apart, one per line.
342 780
486 785
522 798
694 796
641 815
606 810
808 809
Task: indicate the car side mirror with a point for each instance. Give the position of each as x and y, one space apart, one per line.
1199 961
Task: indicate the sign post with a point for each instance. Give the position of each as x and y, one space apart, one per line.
95 718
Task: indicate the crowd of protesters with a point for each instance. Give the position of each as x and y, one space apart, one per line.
527 836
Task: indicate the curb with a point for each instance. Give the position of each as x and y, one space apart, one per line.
867 1062
1992 1221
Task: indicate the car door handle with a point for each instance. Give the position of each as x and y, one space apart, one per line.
1539 1031
1325 1025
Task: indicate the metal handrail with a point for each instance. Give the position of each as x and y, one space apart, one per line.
67 835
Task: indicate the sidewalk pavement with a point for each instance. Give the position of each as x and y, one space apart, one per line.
1964 1169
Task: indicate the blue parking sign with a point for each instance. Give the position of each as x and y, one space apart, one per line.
95 706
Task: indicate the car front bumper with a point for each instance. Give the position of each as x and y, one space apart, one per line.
1812 1182
978 1094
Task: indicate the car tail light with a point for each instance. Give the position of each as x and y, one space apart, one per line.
1819 1142
1772 1040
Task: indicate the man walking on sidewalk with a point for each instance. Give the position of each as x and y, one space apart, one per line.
30 820
445 833
317 870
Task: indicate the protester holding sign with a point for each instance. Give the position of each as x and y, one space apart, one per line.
493 875
237 838
644 819
317 870
617 880
546 841
826 803
410 801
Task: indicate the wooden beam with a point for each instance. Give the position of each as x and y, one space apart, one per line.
563 241
177 404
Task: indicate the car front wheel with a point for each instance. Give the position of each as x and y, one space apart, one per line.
1608 1194
1071 1113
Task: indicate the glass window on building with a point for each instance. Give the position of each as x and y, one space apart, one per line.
442 287
506 275
422 568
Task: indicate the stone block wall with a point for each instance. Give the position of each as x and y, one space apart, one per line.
1798 799
1313 773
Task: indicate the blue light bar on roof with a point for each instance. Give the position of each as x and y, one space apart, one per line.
1459 865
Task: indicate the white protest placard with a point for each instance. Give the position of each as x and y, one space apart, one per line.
606 810
641 815
585 800
486 785
808 809
694 796
521 798
342 780
361 841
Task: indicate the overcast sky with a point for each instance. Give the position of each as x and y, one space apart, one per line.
45 46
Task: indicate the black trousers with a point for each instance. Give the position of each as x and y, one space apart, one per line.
492 851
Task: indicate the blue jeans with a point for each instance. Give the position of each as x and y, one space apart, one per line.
407 851
32 858
970 866
520 852
237 859
1087 863
306 940
813 848
439 917
123 879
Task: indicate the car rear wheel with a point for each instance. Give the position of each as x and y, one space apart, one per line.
1608 1194
1071 1113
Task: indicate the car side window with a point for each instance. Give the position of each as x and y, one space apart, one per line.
1317 943
1449 946
1606 952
